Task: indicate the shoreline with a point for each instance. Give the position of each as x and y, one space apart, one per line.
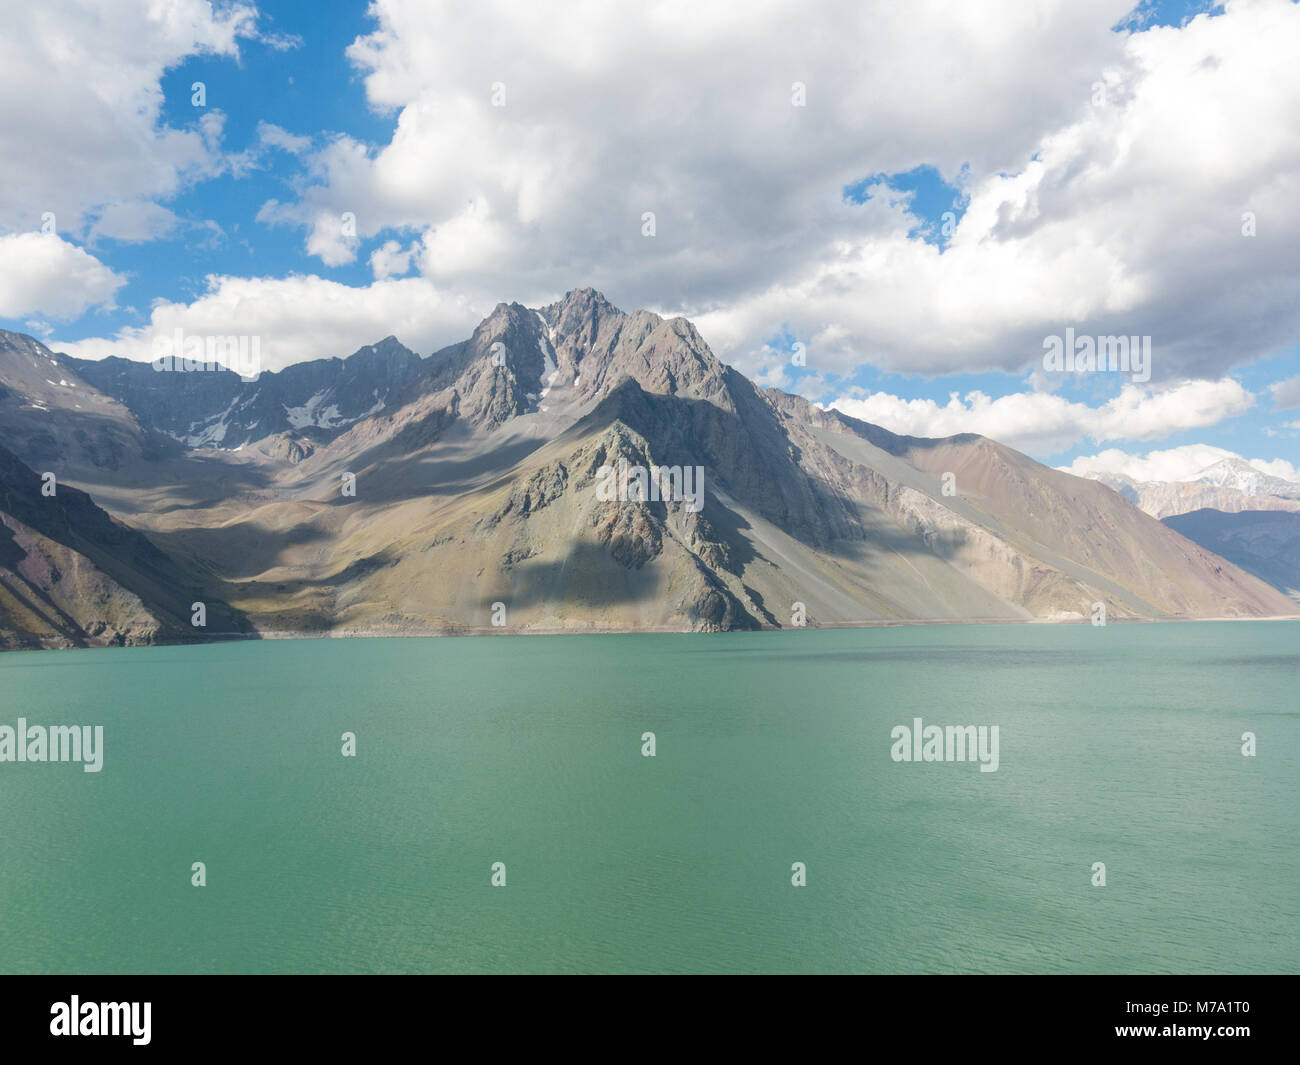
488 631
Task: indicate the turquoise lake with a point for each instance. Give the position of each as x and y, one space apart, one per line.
1120 745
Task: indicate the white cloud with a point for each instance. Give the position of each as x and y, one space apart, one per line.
1048 424
273 136
1128 220
1173 464
1286 394
42 274
134 222
391 260
613 111
81 105
299 318
1277 468
1122 218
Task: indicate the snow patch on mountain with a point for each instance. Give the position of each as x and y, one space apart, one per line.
550 371
315 413
1241 475
214 431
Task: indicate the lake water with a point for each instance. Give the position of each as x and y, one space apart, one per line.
1120 745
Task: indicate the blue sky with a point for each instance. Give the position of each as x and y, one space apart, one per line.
822 224
310 90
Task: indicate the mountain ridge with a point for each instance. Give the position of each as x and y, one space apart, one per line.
471 482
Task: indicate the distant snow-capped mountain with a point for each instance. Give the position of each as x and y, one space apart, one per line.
1230 485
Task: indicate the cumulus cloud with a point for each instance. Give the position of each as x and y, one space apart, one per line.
1128 220
391 260
42 274
299 318
1172 464
81 104
608 113
1048 424
1116 212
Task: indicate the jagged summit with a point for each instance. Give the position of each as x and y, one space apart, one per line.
579 302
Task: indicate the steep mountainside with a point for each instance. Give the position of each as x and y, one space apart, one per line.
53 418
1263 542
72 576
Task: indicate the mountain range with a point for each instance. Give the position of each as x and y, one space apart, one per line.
388 494
1230 485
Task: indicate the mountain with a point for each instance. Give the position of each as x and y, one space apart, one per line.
1241 475
1263 542
52 416
1240 513
70 575
218 408
472 487
1229 485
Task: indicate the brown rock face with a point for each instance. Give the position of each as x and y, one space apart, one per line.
487 481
